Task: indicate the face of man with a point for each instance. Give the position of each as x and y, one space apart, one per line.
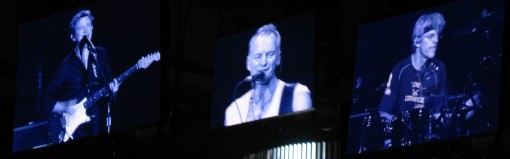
428 44
263 58
82 27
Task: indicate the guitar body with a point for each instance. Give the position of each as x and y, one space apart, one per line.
56 128
63 126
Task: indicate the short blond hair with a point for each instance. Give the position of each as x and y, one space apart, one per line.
427 22
266 30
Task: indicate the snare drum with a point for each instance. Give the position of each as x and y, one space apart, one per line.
410 127
367 132
376 131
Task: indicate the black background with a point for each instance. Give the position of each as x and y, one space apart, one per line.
187 32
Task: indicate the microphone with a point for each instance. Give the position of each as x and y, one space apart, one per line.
90 46
86 40
255 77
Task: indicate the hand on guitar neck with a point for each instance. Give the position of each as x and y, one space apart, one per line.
114 86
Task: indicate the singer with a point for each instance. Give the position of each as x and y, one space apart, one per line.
269 95
83 71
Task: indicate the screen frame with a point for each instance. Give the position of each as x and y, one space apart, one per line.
103 23
283 73
406 12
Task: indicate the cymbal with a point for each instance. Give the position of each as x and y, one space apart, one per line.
479 24
352 116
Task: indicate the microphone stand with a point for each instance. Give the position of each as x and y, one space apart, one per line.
234 98
93 51
107 88
250 79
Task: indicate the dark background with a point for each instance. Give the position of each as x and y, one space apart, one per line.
188 30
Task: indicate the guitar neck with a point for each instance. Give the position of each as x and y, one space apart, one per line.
103 92
127 73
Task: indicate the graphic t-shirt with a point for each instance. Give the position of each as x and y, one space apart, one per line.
408 88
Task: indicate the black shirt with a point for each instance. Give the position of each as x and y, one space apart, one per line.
408 88
73 81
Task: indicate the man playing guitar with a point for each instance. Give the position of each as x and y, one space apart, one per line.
85 70
83 86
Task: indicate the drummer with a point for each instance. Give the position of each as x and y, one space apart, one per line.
418 81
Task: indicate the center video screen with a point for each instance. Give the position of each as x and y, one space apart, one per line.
87 71
426 76
264 72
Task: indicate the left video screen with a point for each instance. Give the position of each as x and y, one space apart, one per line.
87 71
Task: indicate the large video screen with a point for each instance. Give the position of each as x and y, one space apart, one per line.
426 76
264 72
87 71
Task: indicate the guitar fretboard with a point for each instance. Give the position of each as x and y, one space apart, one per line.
102 92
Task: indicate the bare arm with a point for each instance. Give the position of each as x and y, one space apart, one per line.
302 99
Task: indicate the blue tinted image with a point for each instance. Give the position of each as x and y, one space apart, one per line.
88 71
264 72
426 76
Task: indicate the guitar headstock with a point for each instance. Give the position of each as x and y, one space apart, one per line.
147 60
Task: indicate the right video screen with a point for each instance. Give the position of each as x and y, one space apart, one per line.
426 76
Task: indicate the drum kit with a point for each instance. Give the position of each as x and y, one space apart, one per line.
369 130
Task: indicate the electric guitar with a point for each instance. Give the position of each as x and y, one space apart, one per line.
62 126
